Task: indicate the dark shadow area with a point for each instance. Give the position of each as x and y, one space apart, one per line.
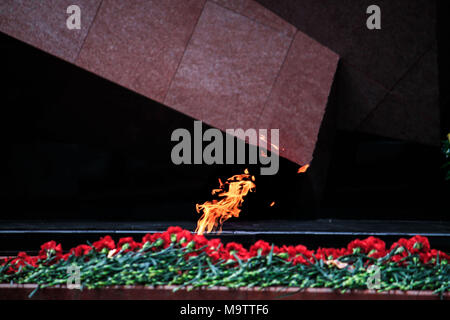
378 178
444 65
79 146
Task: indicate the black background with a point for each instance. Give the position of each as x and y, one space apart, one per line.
78 146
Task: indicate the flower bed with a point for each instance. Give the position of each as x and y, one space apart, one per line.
179 258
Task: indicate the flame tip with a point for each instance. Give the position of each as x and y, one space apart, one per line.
303 169
216 212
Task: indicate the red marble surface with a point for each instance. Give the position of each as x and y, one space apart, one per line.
253 10
43 24
139 43
21 292
228 69
299 97
232 64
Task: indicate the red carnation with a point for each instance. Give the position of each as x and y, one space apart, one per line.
376 248
213 250
414 245
185 236
29 260
290 250
214 255
104 243
375 244
260 247
371 245
418 244
200 241
431 256
303 255
358 245
21 260
81 250
426 257
66 256
442 255
174 230
400 248
147 238
304 251
401 243
128 244
330 253
170 235
50 248
300 260
298 254
151 238
238 249
213 244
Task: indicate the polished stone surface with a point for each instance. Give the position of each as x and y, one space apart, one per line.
254 11
141 292
226 63
324 226
43 24
299 98
139 44
228 69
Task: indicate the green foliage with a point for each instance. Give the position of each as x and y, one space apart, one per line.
171 267
446 151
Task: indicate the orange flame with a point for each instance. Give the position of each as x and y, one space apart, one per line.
215 212
303 169
272 204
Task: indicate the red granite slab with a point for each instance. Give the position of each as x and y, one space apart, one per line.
253 10
217 61
21 292
139 43
228 69
299 98
43 24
